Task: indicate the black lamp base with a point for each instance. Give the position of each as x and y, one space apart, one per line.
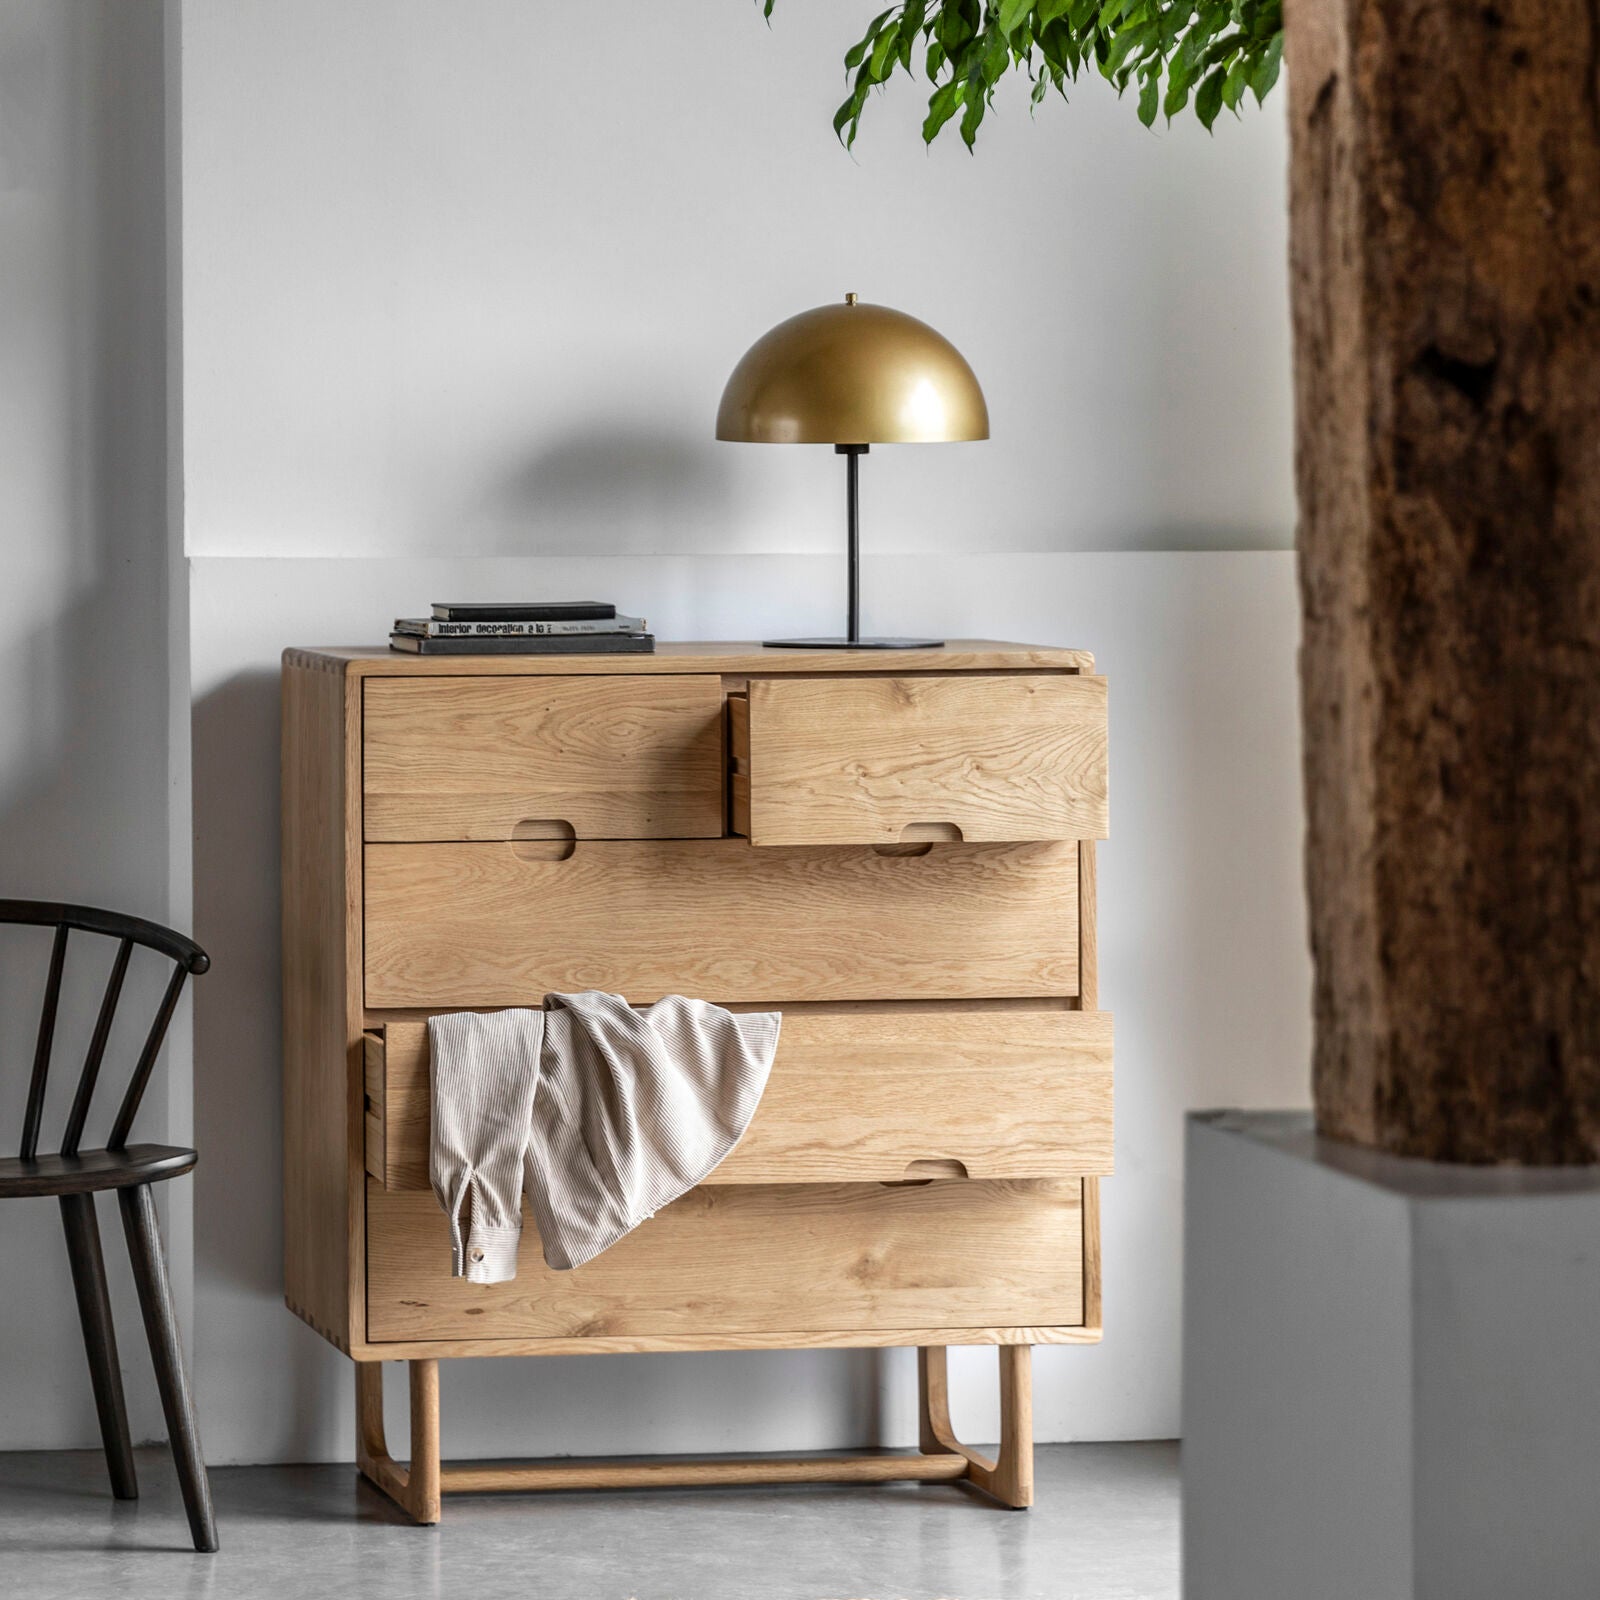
852 644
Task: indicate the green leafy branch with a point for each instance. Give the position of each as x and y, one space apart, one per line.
1216 51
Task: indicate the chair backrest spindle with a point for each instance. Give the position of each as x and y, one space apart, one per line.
147 1060
41 1054
97 1049
187 957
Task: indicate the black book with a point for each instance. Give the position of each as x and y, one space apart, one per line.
548 644
524 611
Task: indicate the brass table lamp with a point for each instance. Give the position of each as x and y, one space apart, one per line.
852 376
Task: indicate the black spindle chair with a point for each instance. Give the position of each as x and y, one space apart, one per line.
75 1176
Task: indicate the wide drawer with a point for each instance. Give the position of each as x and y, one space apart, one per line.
484 925
856 1096
504 758
808 1259
862 760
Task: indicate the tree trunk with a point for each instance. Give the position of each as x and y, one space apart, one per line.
1445 247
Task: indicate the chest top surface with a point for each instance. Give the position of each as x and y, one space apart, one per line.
737 657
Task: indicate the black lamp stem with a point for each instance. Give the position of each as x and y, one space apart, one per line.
852 454
852 640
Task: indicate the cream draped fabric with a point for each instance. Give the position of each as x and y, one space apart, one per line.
601 1113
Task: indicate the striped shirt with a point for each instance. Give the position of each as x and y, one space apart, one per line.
600 1113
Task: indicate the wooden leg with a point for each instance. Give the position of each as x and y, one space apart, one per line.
414 1488
166 1352
418 1487
1009 1479
99 1339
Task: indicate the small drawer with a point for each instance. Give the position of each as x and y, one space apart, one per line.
507 758
451 925
819 1261
875 1095
971 757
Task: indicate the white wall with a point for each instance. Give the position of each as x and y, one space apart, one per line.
470 280
84 744
458 294
459 290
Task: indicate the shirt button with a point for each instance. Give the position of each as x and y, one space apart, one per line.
475 1253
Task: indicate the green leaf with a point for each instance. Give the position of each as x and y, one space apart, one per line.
1149 94
954 27
944 105
1219 50
992 58
1060 48
1123 46
1175 53
857 53
1013 13
884 51
1266 72
971 117
1236 82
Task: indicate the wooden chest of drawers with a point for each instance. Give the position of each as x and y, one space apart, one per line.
897 852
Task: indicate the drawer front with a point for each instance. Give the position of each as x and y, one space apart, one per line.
484 925
503 758
857 1096
811 1259
862 760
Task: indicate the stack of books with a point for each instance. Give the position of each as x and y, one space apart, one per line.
510 628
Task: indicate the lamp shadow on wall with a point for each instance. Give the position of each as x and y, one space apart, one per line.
605 488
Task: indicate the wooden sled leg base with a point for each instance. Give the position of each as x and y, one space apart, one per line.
419 1487
1010 1479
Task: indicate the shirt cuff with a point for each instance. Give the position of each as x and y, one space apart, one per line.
490 1255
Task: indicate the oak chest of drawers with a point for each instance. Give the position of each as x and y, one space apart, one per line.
896 852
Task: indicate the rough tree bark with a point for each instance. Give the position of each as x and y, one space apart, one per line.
1445 245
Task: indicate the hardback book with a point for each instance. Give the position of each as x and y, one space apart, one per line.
432 628
548 644
523 611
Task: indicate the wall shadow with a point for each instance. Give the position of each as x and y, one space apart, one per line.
612 488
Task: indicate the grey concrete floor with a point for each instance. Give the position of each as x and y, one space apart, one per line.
1104 1527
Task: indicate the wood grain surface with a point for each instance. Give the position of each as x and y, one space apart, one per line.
613 758
857 1097
867 760
324 1132
735 657
477 925
807 1258
1445 269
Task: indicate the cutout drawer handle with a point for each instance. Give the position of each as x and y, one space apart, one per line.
933 832
543 839
933 1167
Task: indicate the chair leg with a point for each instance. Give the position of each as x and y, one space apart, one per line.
99 1339
166 1352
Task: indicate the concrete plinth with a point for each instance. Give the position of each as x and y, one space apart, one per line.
1391 1372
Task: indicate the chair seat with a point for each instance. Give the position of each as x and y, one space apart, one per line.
92 1170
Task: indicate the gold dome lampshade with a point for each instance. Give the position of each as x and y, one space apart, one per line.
852 376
